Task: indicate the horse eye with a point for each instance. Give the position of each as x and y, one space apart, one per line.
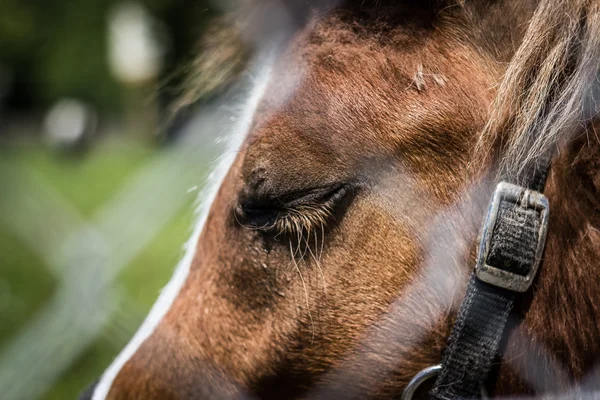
295 211
254 215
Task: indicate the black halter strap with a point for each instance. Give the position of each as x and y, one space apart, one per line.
510 251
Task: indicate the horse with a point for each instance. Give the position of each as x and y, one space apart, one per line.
336 244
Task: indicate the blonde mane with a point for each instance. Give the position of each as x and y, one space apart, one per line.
550 89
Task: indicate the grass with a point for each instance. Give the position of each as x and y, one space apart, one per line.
24 284
87 181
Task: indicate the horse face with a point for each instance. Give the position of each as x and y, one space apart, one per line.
340 238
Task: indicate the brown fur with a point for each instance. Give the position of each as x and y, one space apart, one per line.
390 99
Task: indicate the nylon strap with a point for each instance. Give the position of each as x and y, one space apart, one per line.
483 315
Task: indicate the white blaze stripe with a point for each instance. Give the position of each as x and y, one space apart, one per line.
170 292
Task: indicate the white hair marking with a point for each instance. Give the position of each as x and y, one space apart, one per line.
169 293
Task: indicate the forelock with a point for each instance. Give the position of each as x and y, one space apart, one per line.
550 90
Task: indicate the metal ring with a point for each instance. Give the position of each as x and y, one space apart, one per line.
418 380
424 375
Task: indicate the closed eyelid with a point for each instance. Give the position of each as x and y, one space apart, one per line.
296 210
290 198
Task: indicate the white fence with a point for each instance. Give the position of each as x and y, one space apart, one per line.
86 254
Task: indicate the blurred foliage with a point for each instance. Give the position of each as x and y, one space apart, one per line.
58 48
55 49
26 283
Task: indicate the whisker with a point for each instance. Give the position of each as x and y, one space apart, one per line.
322 241
318 264
305 295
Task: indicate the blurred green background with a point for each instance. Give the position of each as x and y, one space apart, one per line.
95 204
58 48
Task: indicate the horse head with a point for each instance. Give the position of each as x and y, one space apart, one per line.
337 244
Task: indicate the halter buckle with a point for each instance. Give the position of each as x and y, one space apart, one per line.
424 375
513 238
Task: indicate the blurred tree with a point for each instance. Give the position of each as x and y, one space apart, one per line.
57 48
18 21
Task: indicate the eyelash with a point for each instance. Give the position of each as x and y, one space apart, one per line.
300 220
299 217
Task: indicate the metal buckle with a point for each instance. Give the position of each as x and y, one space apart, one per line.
418 380
521 197
424 375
